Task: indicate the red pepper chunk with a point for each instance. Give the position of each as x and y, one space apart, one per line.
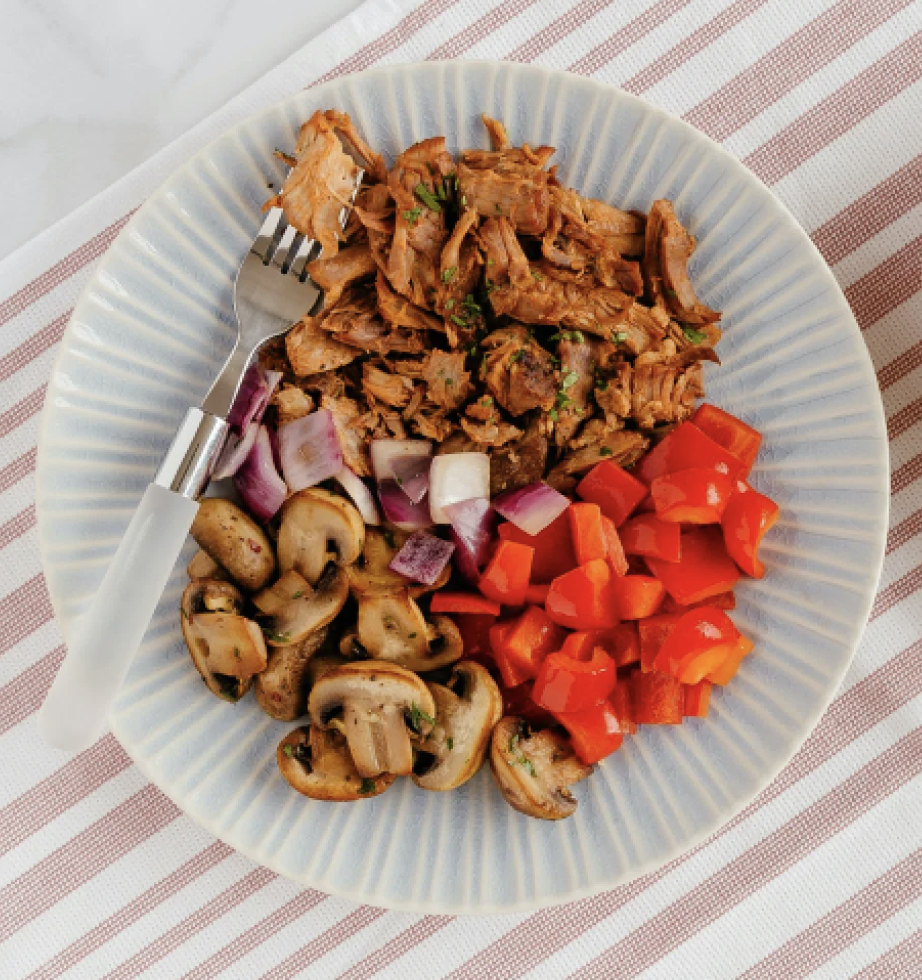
646 534
615 551
553 547
581 600
705 568
580 645
463 602
696 496
475 638
636 596
505 579
615 490
723 600
731 433
622 705
586 530
623 644
518 701
653 632
697 699
565 684
656 698
700 642
595 732
745 522
728 669
684 448
530 638
510 670
536 594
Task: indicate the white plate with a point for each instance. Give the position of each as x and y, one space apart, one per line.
152 328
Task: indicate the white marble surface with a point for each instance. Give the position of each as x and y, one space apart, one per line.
91 88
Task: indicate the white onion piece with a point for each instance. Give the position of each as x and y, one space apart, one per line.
361 496
400 510
532 508
422 557
412 475
384 451
454 477
253 397
235 452
472 523
262 489
310 450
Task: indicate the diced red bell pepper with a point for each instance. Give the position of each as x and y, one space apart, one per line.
595 732
581 599
646 534
565 684
518 701
745 521
699 643
728 669
615 552
530 638
622 705
696 496
705 568
580 645
697 699
656 698
505 579
653 632
723 600
731 433
511 672
623 644
536 593
616 491
463 602
684 448
636 596
586 530
553 547
475 636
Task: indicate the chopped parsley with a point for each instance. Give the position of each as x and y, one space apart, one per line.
449 381
449 304
368 787
537 275
619 336
417 715
672 294
486 401
570 380
602 384
298 594
517 356
449 273
499 210
605 451
457 320
411 216
427 197
573 335
451 743
288 750
695 336
411 636
553 414
519 757
237 653
470 304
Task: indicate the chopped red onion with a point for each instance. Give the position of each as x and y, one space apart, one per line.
412 475
532 508
276 454
385 451
235 451
472 523
258 482
310 450
253 396
362 497
454 477
422 558
400 510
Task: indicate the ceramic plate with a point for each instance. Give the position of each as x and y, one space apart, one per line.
155 323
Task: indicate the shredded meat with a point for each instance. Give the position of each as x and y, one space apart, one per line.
621 446
334 274
519 463
311 350
519 371
449 383
292 403
490 433
392 389
577 367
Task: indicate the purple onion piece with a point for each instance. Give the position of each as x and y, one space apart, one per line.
400 510
422 558
472 525
235 451
258 482
412 475
532 508
310 450
253 397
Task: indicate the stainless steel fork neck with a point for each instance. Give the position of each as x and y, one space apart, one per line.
193 454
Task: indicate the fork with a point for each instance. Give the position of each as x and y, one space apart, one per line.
271 291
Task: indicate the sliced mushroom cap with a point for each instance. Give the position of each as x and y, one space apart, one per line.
298 608
203 565
282 688
535 770
371 703
318 527
317 764
466 710
392 627
226 648
372 575
235 541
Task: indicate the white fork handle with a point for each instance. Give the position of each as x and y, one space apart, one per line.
105 640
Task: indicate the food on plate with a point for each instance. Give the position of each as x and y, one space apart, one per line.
482 512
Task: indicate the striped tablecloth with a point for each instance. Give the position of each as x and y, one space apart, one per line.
101 876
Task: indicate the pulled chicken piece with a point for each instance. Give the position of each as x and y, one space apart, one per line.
519 371
311 350
517 464
380 385
335 273
449 383
621 446
577 368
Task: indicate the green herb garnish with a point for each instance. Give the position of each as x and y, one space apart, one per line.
417 715
672 294
449 304
619 336
605 451
695 336
451 743
519 757
427 197
449 273
552 414
537 275
368 787
517 356
288 750
298 594
570 380
457 320
274 637
411 216
602 384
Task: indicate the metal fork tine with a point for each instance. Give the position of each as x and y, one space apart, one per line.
281 253
303 256
268 235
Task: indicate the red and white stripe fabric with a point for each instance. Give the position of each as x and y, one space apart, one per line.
821 877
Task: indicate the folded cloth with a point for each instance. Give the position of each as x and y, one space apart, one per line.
821 876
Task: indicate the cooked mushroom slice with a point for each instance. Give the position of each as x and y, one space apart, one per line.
226 648
281 689
298 608
466 709
202 566
372 703
317 764
392 627
235 541
534 770
372 574
318 527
